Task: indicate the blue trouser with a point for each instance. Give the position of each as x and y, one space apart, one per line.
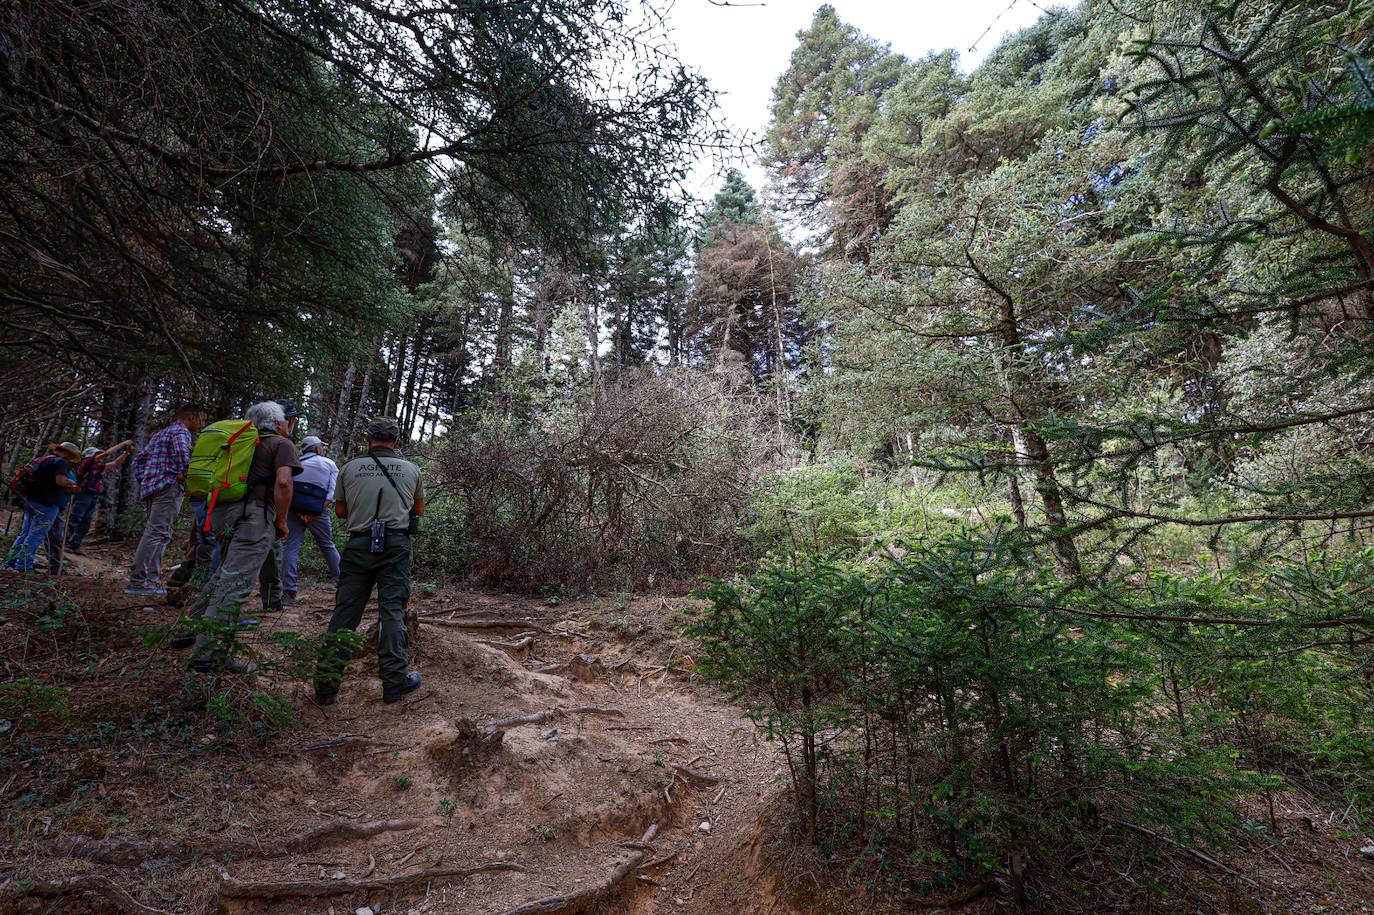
291 552
38 520
53 542
83 513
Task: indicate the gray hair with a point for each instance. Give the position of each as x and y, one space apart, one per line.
266 415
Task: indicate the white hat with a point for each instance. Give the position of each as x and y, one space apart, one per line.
312 441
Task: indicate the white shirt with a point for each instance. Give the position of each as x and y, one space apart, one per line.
320 470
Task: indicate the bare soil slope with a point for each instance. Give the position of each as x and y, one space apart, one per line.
544 745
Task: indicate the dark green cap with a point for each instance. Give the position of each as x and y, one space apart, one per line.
385 428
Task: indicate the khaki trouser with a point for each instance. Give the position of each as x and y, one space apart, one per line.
163 508
248 548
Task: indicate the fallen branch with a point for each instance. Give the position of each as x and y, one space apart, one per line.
1198 855
586 899
88 883
116 850
692 775
233 889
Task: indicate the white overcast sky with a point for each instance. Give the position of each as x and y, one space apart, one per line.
743 50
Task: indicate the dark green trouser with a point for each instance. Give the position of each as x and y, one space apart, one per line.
359 570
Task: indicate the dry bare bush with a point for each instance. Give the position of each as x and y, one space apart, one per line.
647 480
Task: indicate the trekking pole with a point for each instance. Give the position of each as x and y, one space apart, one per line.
62 539
10 516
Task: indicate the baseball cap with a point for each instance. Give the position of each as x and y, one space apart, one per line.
385 428
311 441
90 451
288 407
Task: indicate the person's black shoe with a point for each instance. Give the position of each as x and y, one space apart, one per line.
394 693
178 642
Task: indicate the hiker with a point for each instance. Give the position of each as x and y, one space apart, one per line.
310 502
251 525
270 575
202 557
42 487
380 498
204 549
90 477
160 470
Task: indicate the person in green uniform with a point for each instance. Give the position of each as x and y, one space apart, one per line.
376 497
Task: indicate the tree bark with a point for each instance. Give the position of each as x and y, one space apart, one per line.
340 418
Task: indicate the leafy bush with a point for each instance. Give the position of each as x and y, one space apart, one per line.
940 718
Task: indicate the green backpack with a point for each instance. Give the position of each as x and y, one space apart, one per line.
219 462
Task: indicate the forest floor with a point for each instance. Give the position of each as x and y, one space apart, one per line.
444 804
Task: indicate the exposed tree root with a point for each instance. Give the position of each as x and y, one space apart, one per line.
340 742
485 624
515 646
230 888
478 739
88 883
583 667
586 668
586 899
552 714
116 850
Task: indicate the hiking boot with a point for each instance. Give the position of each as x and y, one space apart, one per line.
214 665
394 693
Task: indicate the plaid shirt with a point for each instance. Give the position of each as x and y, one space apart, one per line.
163 461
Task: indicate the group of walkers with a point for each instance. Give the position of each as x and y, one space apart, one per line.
250 512
64 475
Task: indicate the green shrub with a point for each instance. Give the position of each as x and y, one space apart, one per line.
830 508
26 700
940 718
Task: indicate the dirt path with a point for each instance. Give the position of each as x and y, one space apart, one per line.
559 798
